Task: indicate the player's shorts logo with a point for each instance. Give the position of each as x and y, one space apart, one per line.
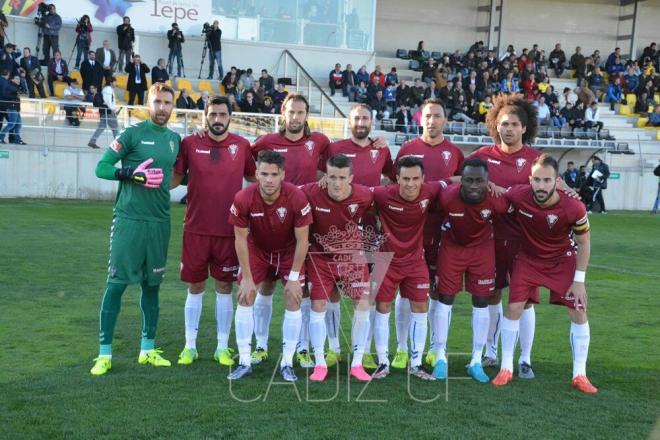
446 155
520 163
485 213
281 213
374 155
352 208
233 149
552 219
309 145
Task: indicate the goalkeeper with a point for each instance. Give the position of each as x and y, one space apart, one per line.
140 230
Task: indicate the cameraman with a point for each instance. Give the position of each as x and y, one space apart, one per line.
83 39
175 38
213 36
51 24
125 40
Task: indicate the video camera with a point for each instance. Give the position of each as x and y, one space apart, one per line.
206 29
42 10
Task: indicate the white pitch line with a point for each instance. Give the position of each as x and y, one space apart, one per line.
626 271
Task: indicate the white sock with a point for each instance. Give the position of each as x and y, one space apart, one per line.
244 326
580 337
382 336
317 335
418 330
494 326
290 334
263 312
527 327
433 303
332 319
370 335
509 336
402 321
224 310
480 320
359 333
303 339
192 312
442 323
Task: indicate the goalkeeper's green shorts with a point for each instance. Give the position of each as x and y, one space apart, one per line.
138 251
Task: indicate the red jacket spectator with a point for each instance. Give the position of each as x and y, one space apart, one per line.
530 88
380 75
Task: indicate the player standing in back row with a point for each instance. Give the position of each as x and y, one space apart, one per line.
140 230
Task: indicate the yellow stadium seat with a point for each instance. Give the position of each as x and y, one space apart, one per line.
205 85
169 83
657 135
58 88
571 73
76 74
641 122
183 83
631 98
624 110
122 80
221 89
656 97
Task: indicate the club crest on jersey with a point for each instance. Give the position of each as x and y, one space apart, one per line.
423 204
172 146
233 149
552 219
281 213
520 163
352 208
309 145
485 213
446 155
374 155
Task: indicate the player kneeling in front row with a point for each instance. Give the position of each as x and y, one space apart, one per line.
466 251
549 221
216 165
336 258
277 216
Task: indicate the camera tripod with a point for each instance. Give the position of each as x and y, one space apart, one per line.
201 65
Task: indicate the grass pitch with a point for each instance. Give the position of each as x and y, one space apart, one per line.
53 266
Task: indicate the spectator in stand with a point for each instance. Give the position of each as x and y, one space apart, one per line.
654 117
175 39
250 104
349 82
571 175
642 105
125 40
592 117
404 94
428 72
239 91
542 111
361 93
91 72
530 88
378 73
550 96
573 116
649 52
363 75
83 38
585 95
543 85
258 93
596 82
378 106
509 84
460 111
278 96
267 106
556 117
235 107
12 106
390 97
612 57
159 73
484 107
72 94
557 60
33 76
184 101
403 119
432 91
266 82
632 76
214 36
578 63
107 58
582 187
51 31
247 78
616 68
416 121
419 53
57 71
596 58
392 77
417 91
137 80
597 180
230 80
615 94
203 100
374 87
8 59
510 51
646 86
91 94
335 79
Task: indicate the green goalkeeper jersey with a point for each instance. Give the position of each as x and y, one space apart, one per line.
134 145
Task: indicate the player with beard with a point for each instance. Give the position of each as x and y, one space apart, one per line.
216 165
442 159
551 223
336 259
271 221
467 255
140 231
371 166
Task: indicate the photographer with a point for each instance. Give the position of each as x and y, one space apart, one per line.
125 40
51 24
83 39
213 36
175 38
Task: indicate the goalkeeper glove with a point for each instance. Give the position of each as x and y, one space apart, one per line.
141 175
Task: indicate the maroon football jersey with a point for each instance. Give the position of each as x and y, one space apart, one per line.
215 174
440 161
368 162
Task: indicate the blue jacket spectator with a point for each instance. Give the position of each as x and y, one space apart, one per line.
509 86
362 75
